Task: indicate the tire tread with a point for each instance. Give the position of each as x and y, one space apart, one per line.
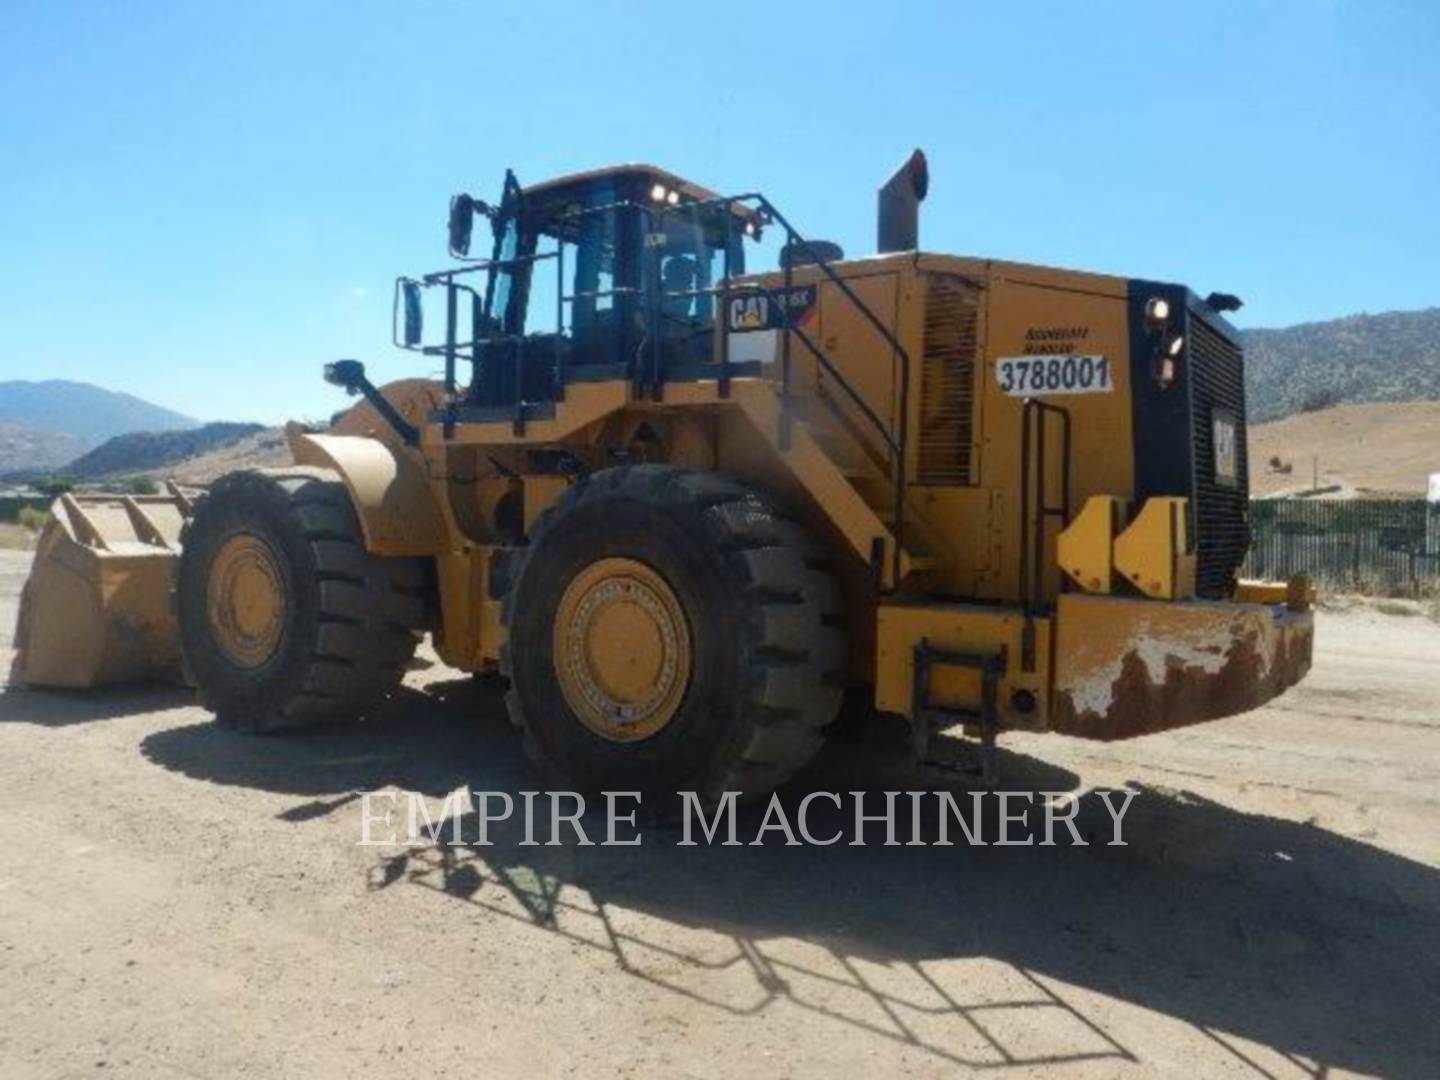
364 630
794 642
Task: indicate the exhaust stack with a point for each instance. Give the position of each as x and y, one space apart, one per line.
898 223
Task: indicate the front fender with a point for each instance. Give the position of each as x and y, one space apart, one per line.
398 511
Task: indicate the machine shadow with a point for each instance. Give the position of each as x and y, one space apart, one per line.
1249 928
62 708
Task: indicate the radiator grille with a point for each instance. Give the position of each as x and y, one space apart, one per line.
947 381
1221 521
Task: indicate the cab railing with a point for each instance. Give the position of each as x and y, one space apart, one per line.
648 373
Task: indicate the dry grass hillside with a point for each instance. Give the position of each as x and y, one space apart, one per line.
25 448
263 449
1377 447
143 452
1393 356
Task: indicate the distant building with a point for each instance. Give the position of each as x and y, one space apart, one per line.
1432 519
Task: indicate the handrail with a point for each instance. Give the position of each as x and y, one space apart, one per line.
897 442
895 437
477 265
821 264
860 403
1032 429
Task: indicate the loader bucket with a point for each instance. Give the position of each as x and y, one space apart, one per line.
96 608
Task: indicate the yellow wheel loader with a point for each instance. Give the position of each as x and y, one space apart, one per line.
683 504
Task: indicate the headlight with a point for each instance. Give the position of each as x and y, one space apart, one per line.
1177 343
1157 309
657 193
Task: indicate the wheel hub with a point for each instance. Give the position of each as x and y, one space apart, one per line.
622 649
245 600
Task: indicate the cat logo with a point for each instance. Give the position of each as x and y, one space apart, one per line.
1223 428
769 311
750 312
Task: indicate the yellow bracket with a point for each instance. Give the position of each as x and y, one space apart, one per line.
1298 593
1085 548
1154 552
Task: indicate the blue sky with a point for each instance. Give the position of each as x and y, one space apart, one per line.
200 203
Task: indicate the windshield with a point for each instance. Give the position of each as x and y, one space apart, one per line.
583 264
692 253
506 248
500 300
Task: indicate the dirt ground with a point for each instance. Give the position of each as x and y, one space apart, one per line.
182 901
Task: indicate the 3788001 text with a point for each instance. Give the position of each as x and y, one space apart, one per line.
1021 376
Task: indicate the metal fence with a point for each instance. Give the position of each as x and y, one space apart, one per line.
1378 546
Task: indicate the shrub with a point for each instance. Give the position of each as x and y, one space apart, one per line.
33 519
1316 400
55 486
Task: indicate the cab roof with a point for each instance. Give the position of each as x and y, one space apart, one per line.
653 173
664 176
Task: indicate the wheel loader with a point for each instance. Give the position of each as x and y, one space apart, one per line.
683 504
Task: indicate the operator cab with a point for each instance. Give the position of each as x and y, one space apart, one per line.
599 275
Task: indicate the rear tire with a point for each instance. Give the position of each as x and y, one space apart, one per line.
285 619
764 659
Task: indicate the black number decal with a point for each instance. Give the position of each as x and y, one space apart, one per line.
1070 373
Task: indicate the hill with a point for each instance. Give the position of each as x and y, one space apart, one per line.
263 449
24 449
1368 448
89 413
1389 357
144 452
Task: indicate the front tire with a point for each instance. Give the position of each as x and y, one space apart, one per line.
670 631
285 619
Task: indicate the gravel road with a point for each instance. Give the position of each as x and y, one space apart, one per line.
181 901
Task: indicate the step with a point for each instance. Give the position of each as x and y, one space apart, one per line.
812 456
849 457
921 563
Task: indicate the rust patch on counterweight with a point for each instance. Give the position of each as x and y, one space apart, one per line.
1180 667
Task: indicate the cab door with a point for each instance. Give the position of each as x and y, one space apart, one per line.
499 332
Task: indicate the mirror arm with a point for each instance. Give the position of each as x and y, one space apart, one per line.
349 375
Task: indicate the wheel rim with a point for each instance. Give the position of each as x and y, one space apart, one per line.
621 647
246 601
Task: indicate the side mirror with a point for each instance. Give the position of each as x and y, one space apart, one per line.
462 218
349 375
414 313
